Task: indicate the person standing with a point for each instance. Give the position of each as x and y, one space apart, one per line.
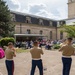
10 53
67 51
36 58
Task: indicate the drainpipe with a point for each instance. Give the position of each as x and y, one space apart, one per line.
20 28
56 32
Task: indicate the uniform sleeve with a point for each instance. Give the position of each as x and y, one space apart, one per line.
61 49
30 51
41 51
73 51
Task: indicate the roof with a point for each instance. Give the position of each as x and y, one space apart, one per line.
66 19
25 14
21 18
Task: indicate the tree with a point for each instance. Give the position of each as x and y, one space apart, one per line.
6 25
70 30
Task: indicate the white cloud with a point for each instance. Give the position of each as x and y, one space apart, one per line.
13 4
47 14
35 8
40 10
54 9
63 14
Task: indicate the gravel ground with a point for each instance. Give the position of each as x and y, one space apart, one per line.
51 61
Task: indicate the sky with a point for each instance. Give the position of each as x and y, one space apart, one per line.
53 9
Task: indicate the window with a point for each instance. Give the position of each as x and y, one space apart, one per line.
41 22
51 23
41 32
28 20
61 23
13 17
28 31
61 35
58 24
50 34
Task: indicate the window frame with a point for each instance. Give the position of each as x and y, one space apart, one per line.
41 22
28 19
50 23
41 32
28 31
61 35
13 17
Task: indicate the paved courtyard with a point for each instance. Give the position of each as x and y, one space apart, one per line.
51 61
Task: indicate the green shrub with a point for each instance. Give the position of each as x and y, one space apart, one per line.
57 46
6 40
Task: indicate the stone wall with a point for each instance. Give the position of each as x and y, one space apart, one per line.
35 29
71 10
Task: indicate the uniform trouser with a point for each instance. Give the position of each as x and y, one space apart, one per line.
39 64
66 65
10 66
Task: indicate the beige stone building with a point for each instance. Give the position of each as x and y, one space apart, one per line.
69 21
29 26
71 8
33 27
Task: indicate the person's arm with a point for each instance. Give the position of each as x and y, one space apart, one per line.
14 52
41 51
74 51
61 49
30 51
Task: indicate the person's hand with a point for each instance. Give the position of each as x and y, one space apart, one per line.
59 50
13 49
14 55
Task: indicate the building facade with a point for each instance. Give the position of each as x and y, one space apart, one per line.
33 25
30 25
71 8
